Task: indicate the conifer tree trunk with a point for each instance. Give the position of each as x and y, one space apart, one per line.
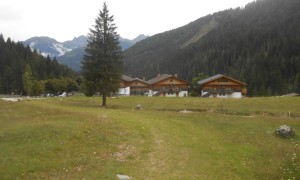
103 100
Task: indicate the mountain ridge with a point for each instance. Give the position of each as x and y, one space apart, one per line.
49 46
70 52
258 44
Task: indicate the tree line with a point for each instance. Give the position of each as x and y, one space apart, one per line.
26 72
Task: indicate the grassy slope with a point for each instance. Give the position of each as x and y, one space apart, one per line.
72 138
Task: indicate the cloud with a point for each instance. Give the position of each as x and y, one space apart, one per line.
64 19
8 13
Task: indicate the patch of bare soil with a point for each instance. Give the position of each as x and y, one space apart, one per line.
20 99
125 152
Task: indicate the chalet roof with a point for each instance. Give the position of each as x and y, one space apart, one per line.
130 79
158 78
203 81
215 77
138 79
151 81
127 78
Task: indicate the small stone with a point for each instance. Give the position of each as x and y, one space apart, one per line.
123 177
139 107
285 131
185 111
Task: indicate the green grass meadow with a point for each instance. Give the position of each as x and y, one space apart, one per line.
74 138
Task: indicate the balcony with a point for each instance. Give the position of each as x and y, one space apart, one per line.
219 91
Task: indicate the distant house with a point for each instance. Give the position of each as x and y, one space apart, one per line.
135 86
124 88
222 86
162 85
168 85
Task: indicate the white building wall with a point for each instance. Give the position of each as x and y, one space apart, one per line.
236 95
183 93
180 94
124 91
170 94
151 93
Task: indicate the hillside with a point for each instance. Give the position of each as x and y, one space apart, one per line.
73 58
14 57
127 43
258 44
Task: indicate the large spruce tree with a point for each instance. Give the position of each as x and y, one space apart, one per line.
101 66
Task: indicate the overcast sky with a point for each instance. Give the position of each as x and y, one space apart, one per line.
65 19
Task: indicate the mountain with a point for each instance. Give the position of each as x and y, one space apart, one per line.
258 44
76 42
139 38
127 43
47 46
72 59
70 52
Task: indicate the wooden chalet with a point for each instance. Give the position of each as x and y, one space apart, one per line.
124 86
125 81
162 85
222 86
138 87
133 86
168 85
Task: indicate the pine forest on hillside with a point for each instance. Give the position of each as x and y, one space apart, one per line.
258 44
20 67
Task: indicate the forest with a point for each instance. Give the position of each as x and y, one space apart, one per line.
26 72
258 44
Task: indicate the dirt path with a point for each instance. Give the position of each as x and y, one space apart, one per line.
162 161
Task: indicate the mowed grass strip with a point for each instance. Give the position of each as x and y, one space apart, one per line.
73 138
